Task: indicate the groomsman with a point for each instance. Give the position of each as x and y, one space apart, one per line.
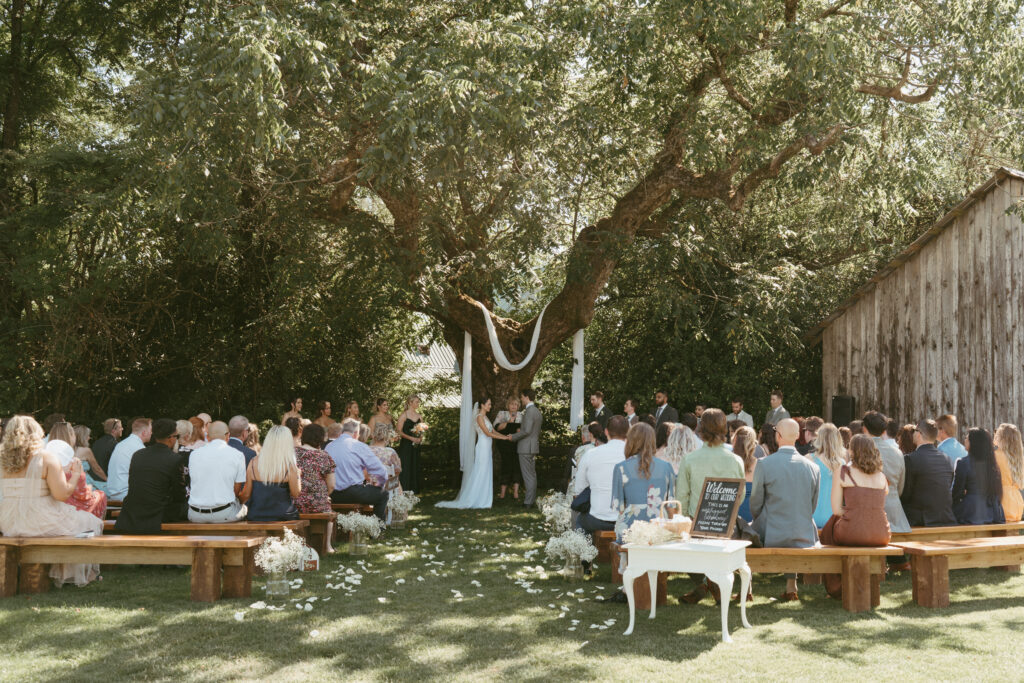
600 410
739 414
629 411
777 412
663 412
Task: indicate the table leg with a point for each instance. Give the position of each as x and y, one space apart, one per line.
724 582
628 577
652 578
744 590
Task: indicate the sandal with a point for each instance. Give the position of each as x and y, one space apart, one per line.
789 597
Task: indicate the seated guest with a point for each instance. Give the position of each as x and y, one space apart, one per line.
926 492
272 479
905 439
48 422
351 458
1010 458
681 442
333 432
948 443
710 460
977 483
199 427
649 420
294 426
810 433
766 441
829 457
121 458
252 439
588 439
96 475
317 471
156 488
661 434
784 497
641 482
595 472
85 497
744 443
847 436
184 429
238 429
690 420
104 445
894 466
892 431
34 489
379 440
859 500
217 475
364 433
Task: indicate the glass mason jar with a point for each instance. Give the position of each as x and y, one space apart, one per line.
277 585
398 519
573 569
357 543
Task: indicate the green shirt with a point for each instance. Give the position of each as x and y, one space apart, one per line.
707 461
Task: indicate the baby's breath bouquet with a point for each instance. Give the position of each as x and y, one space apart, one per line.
279 555
355 523
403 503
556 511
571 544
647 533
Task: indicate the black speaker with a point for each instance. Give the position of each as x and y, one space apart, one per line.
843 410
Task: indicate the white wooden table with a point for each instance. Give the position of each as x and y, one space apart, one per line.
716 559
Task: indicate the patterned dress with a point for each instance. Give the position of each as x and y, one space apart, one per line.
637 498
393 464
314 464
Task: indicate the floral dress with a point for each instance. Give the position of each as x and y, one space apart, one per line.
314 465
393 464
637 498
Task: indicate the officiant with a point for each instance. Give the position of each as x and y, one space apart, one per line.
508 422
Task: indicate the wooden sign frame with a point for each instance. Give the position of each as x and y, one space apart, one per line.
732 515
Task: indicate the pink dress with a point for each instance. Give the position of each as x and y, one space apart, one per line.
86 498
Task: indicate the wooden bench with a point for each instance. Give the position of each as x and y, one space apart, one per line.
959 531
862 569
603 541
930 562
321 530
222 566
298 527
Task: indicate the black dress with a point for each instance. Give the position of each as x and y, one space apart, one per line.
271 503
510 472
409 454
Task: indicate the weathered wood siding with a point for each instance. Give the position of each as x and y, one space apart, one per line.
943 331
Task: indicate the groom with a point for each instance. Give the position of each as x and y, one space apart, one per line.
528 446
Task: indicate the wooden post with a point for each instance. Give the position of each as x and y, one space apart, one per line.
856 583
238 580
34 578
876 592
931 580
206 570
1000 533
9 556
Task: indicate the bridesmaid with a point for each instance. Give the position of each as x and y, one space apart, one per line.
409 448
381 414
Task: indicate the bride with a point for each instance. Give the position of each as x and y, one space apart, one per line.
477 482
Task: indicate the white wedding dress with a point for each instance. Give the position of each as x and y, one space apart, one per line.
477 489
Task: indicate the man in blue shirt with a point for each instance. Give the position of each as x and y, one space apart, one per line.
351 459
948 443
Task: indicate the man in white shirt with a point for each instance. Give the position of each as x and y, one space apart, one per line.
739 414
595 471
217 474
121 458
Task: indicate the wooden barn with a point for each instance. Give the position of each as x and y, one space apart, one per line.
939 329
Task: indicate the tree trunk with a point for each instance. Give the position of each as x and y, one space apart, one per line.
490 380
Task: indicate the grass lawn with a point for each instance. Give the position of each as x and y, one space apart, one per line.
405 620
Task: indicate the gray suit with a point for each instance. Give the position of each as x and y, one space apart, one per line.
775 415
528 446
783 498
894 467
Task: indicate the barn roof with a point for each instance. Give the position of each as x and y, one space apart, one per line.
814 334
426 362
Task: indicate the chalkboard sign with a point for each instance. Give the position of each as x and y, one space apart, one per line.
717 508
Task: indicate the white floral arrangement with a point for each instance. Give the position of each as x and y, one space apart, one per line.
355 523
403 502
571 543
557 511
281 554
647 533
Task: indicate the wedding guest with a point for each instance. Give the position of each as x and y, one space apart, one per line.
352 413
829 456
977 483
629 410
204 426
641 482
94 474
733 425
351 459
238 428
926 494
681 442
507 422
252 439
217 474
776 412
183 429
381 414
294 426
379 440
592 435
905 439
601 413
197 437
948 443
649 420
595 472
766 441
859 501
895 469
272 479
156 490
49 421
85 497
846 435
810 433
690 420
699 409
316 470
409 446
663 412
744 443
661 437
710 460
333 432
856 427
295 410
323 417
364 432
121 458
34 488
104 445
739 414
892 430
1010 459
784 497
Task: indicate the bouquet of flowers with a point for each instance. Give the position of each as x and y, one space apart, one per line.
648 533
571 544
403 503
556 511
355 523
279 555
420 429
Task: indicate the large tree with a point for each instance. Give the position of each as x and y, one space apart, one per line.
464 145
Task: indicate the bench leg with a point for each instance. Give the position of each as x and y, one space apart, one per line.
206 570
931 580
1010 567
34 578
876 592
9 556
238 580
856 583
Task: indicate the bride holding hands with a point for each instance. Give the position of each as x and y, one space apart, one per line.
477 489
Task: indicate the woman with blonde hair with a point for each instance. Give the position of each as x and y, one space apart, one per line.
272 479
62 444
681 442
34 490
640 482
744 444
829 456
1010 458
252 437
94 474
